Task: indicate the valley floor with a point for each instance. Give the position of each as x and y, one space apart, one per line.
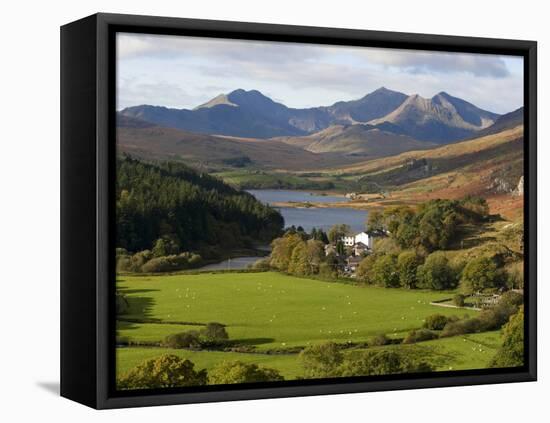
273 314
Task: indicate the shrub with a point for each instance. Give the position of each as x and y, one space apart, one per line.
511 353
165 246
299 264
489 319
515 275
189 339
419 335
167 371
215 333
172 263
123 263
407 265
326 270
495 317
386 245
281 251
262 264
382 362
436 273
321 360
195 260
435 322
384 271
378 340
238 372
459 300
364 270
479 274
131 263
461 327
475 208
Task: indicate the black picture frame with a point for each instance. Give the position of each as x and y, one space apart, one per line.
87 208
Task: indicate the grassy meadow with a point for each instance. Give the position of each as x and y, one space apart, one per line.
272 313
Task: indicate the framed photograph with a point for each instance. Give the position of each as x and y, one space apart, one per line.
256 211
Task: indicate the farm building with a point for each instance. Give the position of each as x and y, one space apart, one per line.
362 237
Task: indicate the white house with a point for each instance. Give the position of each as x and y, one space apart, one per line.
363 237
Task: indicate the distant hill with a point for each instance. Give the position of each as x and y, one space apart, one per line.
240 113
159 143
358 140
488 165
507 121
124 121
192 209
372 106
441 119
250 114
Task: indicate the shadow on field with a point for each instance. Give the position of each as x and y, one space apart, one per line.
139 308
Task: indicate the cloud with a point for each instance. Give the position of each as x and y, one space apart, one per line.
168 47
132 92
427 62
186 71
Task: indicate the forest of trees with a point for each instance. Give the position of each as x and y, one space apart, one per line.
433 226
187 210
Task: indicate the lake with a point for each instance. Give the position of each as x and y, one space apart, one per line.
307 218
232 264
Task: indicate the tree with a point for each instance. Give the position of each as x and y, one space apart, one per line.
299 264
340 248
364 270
165 246
189 339
407 265
436 273
511 353
459 300
515 273
419 335
396 216
477 207
166 371
435 322
215 333
238 372
437 224
321 360
171 201
322 236
382 362
337 232
433 226
319 235
479 274
281 251
315 254
375 221
384 271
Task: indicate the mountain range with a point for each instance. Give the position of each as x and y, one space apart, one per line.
382 114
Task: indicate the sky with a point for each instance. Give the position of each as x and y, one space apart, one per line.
184 72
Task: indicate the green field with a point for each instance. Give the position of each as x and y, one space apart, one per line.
275 311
